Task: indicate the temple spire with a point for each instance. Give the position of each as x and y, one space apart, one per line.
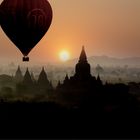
99 80
83 57
18 76
27 77
66 79
82 67
43 79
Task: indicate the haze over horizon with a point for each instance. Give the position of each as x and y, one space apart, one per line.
105 27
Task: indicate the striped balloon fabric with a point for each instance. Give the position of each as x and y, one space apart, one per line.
25 22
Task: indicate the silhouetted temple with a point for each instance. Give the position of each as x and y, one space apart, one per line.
27 79
86 91
18 75
82 84
82 76
43 83
43 79
28 84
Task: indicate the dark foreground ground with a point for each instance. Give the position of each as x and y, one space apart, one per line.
49 120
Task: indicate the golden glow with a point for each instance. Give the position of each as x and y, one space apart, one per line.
64 55
106 27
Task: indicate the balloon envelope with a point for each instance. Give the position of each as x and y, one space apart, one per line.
25 22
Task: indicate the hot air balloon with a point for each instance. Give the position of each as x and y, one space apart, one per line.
25 22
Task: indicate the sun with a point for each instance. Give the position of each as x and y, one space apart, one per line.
64 55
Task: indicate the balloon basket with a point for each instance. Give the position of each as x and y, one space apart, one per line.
25 59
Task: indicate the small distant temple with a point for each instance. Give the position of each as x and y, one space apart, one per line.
43 79
43 84
18 75
27 83
27 79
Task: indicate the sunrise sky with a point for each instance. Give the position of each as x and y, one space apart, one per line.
105 27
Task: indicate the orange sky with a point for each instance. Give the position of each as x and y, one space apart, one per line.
105 27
